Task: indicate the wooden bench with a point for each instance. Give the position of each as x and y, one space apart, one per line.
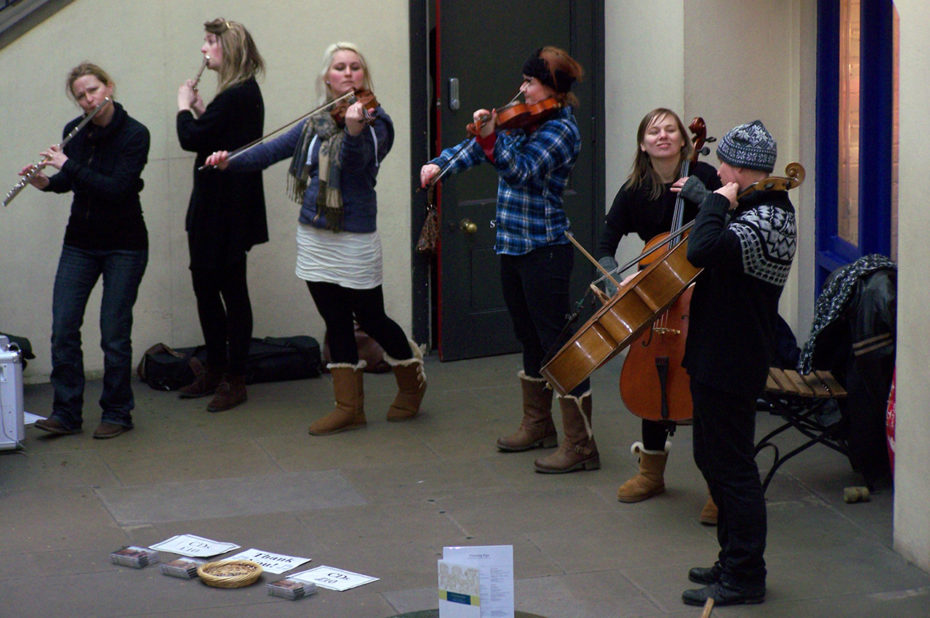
799 399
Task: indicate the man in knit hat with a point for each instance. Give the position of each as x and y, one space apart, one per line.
744 239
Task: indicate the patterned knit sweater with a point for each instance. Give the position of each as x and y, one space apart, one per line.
746 256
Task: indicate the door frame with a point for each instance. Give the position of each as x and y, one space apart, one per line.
875 136
421 306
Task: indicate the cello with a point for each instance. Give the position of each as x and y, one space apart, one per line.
636 304
653 384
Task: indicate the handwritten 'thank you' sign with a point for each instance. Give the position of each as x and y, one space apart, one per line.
271 563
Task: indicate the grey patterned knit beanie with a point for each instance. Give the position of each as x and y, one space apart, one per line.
750 146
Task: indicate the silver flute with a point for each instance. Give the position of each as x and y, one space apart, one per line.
37 167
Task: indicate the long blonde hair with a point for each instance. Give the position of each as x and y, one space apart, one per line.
241 60
321 90
643 174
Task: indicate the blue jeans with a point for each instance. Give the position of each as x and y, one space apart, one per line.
78 272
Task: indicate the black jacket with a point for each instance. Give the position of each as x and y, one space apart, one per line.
226 213
104 170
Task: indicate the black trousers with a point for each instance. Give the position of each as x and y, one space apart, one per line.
536 291
724 450
340 307
225 314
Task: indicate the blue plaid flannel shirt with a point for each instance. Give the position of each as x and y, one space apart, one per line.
533 171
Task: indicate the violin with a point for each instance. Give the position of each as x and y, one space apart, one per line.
369 106
517 115
794 176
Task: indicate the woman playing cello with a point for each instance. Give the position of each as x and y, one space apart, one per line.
533 165
644 206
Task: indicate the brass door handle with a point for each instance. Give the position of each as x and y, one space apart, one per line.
468 226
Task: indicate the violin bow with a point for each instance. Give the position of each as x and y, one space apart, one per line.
672 236
463 145
242 149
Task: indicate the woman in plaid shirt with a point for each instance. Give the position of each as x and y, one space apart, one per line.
533 165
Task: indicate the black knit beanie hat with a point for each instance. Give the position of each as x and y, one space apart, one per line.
537 67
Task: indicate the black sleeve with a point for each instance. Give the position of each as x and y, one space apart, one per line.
617 224
222 124
711 243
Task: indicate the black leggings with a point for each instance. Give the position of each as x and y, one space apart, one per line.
225 315
536 292
655 433
339 306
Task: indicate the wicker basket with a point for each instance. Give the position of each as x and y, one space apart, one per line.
229 573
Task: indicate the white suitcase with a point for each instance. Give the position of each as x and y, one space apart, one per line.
12 432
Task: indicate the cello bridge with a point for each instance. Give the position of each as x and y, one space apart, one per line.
661 330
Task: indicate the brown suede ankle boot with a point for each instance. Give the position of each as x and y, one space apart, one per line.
349 390
536 428
578 451
411 385
650 481
204 384
230 392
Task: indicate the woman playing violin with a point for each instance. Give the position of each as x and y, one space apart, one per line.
644 206
533 165
334 166
226 214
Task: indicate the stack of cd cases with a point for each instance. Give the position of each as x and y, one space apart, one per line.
185 568
134 556
290 589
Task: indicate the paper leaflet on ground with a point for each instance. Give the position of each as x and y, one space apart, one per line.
495 565
333 578
459 590
195 546
271 563
29 418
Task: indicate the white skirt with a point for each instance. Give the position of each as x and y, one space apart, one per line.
348 259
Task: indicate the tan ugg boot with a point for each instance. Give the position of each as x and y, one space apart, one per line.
650 480
349 391
708 515
536 428
411 385
578 451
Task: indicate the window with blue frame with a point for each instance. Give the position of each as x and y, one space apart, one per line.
857 132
